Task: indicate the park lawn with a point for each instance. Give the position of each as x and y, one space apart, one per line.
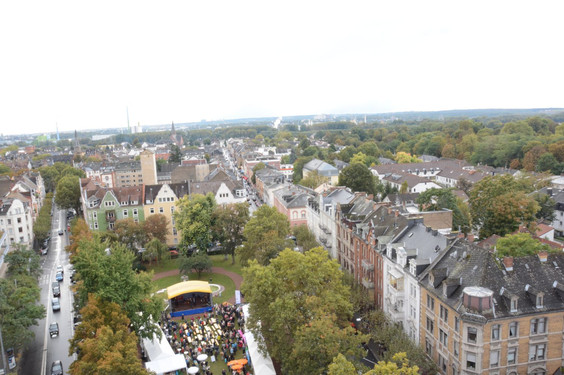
218 261
226 281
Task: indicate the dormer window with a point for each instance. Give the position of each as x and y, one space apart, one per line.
514 304
540 298
412 268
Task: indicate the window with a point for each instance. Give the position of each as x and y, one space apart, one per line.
152 210
494 358
111 225
124 213
456 323
539 301
495 332
472 334
471 361
20 230
135 212
412 290
428 347
161 210
413 312
455 347
537 352
294 215
174 231
513 329
430 325
538 371
303 214
513 304
443 337
511 356
95 215
136 220
95 225
19 220
430 302
9 221
171 209
444 314
538 326
442 363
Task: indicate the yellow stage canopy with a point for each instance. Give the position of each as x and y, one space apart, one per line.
192 286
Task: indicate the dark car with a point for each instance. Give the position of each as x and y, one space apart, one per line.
57 368
60 232
56 304
56 289
54 329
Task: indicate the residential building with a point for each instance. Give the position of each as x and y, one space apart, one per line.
292 202
249 164
483 315
413 183
323 169
103 206
128 174
161 199
266 177
16 221
288 171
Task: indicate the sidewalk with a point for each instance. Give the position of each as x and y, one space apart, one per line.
237 279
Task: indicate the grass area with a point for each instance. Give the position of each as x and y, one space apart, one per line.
218 261
216 279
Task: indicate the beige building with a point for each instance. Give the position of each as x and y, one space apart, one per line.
128 174
161 199
148 167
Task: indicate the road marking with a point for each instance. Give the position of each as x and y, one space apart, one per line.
49 312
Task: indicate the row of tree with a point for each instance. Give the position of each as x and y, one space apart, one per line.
42 225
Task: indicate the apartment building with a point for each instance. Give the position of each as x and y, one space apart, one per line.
16 221
483 315
161 199
128 174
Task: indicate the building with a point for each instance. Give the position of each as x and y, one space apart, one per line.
128 174
16 221
266 177
323 169
249 164
148 167
413 183
103 206
292 202
161 199
483 315
405 258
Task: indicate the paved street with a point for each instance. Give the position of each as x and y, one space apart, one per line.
44 349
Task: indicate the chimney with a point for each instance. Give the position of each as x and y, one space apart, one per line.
543 255
508 263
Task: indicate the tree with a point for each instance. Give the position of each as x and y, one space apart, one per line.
71 171
175 154
155 250
398 366
318 342
340 366
229 222
313 180
519 244
304 238
265 236
358 178
68 193
108 273
532 157
22 261
546 206
199 262
498 204
257 168
104 342
156 226
4 169
194 219
405 157
299 167
130 233
295 291
548 163
79 231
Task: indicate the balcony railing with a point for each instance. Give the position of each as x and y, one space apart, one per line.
367 283
367 266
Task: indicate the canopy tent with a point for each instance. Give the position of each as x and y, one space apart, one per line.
185 287
189 297
261 364
166 365
161 356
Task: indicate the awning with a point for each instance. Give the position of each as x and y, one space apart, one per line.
193 286
165 365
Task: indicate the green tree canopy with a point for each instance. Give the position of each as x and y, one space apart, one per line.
265 235
130 233
304 237
291 299
358 178
156 250
519 244
68 193
437 199
156 226
313 180
229 222
197 262
194 219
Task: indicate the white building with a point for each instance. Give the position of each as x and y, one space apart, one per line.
405 258
16 221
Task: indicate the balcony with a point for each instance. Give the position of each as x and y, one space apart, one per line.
110 216
367 283
367 266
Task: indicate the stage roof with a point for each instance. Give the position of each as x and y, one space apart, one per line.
192 286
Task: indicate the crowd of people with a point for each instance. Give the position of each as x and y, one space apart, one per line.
218 334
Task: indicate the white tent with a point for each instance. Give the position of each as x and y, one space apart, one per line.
261 364
161 356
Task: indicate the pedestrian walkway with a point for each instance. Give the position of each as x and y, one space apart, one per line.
237 279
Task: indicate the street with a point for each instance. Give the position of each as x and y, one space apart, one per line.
44 350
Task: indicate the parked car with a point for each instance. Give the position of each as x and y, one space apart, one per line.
57 368
56 289
44 250
60 232
60 269
56 304
173 254
59 276
54 329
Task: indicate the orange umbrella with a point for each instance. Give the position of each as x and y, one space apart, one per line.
234 362
242 361
237 367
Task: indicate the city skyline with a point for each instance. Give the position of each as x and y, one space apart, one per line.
80 67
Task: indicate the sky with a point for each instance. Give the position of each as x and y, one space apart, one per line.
83 65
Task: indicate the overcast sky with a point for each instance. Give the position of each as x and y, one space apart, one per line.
80 64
